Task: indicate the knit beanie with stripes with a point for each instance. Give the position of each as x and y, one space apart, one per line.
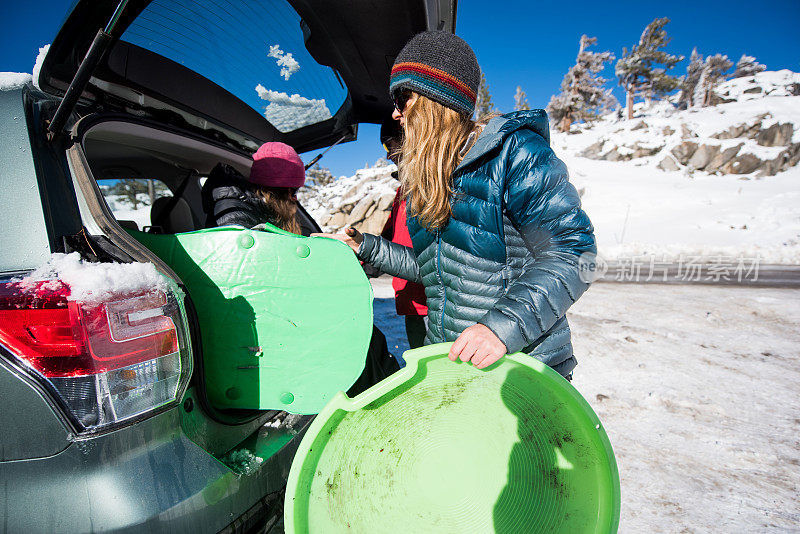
442 67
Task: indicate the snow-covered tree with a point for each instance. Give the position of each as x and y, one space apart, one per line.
747 66
318 176
483 104
713 73
637 70
690 80
583 96
520 100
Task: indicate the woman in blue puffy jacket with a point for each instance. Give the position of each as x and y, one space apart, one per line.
498 233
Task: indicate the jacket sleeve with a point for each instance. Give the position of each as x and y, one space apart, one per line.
391 258
545 208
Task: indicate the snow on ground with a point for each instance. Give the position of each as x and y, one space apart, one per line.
637 208
697 388
646 211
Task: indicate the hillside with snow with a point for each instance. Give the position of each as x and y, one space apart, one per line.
704 182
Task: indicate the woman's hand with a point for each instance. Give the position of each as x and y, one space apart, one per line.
479 345
351 237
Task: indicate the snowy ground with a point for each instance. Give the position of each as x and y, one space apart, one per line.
697 387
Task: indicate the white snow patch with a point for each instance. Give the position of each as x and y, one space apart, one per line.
96 282
242 461
285 61
288 113
37 67
13 80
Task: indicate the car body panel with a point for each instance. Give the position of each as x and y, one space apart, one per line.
23 404
19 192
148 478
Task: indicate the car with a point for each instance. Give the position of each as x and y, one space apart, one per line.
107 420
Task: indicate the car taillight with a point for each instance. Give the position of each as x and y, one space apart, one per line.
108 362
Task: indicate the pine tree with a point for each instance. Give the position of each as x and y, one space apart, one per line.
129 189
483 104
690 80
713 73
318 176
747 66
582 97
520 100
637 70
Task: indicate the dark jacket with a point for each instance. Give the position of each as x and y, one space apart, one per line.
228 200
508 258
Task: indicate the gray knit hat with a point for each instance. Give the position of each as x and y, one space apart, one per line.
442 67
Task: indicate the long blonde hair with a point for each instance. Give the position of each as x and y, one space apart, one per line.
433 138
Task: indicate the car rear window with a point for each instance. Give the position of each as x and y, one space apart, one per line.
130 199
253 49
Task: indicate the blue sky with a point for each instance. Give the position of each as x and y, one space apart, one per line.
525 43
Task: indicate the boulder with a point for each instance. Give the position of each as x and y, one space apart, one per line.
668 164
643 152
753 90
686 133
385 202
742 164
702 156
641 125
722 158
360 210
731 133
684 151
667 131
337 220
612 155
592 151
793 153
776 135
374 223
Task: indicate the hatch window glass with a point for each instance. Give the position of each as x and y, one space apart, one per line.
253 49
130 199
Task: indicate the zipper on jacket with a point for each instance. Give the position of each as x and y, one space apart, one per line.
441 279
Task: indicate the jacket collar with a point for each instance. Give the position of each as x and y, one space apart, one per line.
499 128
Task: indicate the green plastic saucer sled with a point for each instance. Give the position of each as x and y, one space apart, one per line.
444 447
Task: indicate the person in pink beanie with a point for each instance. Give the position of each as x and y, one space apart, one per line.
268 195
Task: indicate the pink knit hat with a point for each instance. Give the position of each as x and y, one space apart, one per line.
277 165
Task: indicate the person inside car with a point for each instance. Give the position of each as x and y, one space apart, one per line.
267 196
497 229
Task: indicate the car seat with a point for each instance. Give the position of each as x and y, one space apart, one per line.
172 215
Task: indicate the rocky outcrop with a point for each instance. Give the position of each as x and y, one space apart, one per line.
363 201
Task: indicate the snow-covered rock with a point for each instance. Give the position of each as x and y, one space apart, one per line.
363 200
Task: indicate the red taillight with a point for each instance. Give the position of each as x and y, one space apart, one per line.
131 351
75 339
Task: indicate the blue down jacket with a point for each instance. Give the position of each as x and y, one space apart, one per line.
509 256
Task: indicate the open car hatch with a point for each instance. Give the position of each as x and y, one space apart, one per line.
303 72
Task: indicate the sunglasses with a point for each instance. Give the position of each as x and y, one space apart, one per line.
400 99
